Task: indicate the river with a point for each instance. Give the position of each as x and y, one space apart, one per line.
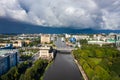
63 68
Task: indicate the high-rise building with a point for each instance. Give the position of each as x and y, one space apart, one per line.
8 59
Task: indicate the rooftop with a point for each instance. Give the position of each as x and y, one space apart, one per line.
6 52
44 48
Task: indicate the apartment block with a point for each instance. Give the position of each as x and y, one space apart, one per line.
44 53
45 38
8 59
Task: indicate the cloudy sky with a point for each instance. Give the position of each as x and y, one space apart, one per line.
95 14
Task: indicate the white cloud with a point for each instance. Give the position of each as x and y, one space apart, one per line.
97 14
111 19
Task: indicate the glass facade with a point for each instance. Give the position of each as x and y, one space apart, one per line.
8 61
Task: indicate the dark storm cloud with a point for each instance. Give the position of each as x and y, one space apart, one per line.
96 14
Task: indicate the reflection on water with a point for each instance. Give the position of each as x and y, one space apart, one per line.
63 68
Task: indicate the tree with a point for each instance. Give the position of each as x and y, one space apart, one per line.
99 53
23 66
83 41
22 77
90 73
12 74
25 57
36 71
29 74
102 73
99 63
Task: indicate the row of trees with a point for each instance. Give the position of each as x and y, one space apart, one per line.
26 71
35 72
34 42
25 57
99 63
30 53
15 72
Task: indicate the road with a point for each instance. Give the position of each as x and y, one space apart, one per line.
35 56
59 43
63 67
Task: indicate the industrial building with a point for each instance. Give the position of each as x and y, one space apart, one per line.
8 59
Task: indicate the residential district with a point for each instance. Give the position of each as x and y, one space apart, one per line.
18 48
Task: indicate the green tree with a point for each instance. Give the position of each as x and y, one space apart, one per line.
12 74
102 73
22 77
29 74
83 41
36 71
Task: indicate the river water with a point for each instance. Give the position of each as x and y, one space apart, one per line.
63 68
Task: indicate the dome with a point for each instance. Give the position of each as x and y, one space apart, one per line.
73 40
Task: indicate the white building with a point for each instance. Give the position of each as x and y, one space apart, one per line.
97 42
79 37
118 40
44 53
67 35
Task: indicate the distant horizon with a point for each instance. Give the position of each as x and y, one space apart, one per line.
16 27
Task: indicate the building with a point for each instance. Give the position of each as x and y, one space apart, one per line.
44 53
45 38
67 35
7 46
17 43
8 59
97 42
79 37
27 36
117 39
72 40
20 43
